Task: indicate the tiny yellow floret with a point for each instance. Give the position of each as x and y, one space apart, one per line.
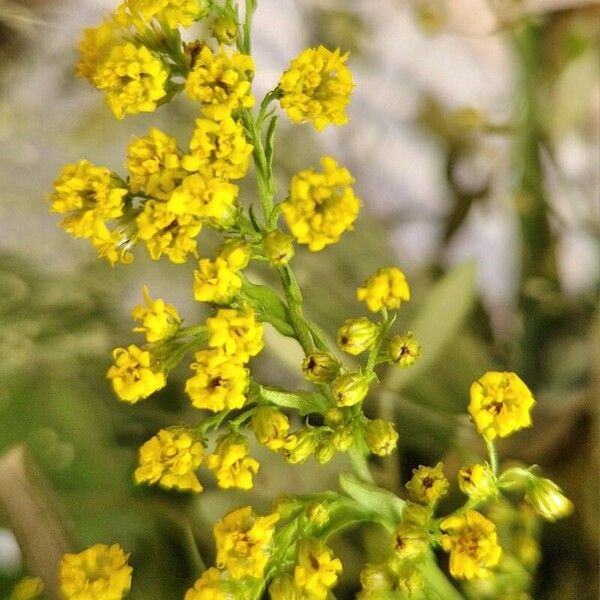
500 404
158 319
316 570
237 333
215 281
477 481
94 47
388 288
428 484
231 464
173 12
98 573
270 426
212 585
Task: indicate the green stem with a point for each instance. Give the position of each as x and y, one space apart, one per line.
360 466
437 584
493 454
294 302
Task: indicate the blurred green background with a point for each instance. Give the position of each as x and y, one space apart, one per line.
474 139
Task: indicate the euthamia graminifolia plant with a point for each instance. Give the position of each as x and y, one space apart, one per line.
171 192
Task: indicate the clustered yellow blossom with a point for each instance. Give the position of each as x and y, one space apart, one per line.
94 47
321 206
472 542
212 585
270 427
316 570
231 464
27 588
477 481
388 288
170 458
244 541
158 319
237 333
500 404
98 573
220 82
134 376
428 484
215 281
317 88
174 12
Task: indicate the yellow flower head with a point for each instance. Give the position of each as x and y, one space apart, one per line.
428 484
237 333
270 427
317 88
212 585
159 320
283 587
133 78
219 148
349 389
477 481
133 375
278 248
221 82
320 367
170 458
316 570
220 381
236 252
321 206
500 404
27 588
388 288
231 464
404 350
98 573
244 542
215 281
94 48
210 199
154 164
165 232
472 542
173 12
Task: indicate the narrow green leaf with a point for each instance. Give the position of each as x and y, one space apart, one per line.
269 307
303 401
269 142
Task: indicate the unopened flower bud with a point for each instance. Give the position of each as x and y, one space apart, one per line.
270 427
236 252
381 437
320 367
404 350
415 514
349 389
299 446
334 417
342 439
547 499
285 506
357 335
428 484
283 588
224 30
376 578
409 541
477 481
278 247
410 581
317 513
325 451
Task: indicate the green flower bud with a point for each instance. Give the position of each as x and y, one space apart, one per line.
477 481
299 446
285 506
278 247
376 578
547 499
283 588
404 350
334 417
381 437
409 541
320 367
325 451
428 484
415 514
410 581
317 513
349 389
225 30
342 439
270 427
236 252
357 335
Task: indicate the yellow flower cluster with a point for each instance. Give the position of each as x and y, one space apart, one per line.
134 376
221 83
316 570
237 333
170 458
27 588
321 206
91 196
231 464
317 88
472 542
215 281
212 585
158 320
174 12
500 404
98 573
388 288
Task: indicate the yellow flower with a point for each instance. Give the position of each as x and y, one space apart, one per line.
316 570
386 289
225 30
428 484
283 587
321 206
381 437
317 88
231 464
94 47
209 199
154 165
477 481
173 12
238 333
170 458
404 350
220 148
212 585
500 404
159 320
472 542
27 588
220 381
244 542
221 82
270 427
278 248
133 375
237 252
215 281
98 573
357 335
165 232
133 78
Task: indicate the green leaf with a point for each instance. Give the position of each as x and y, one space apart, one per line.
269 141
268 306
303 401
380 501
